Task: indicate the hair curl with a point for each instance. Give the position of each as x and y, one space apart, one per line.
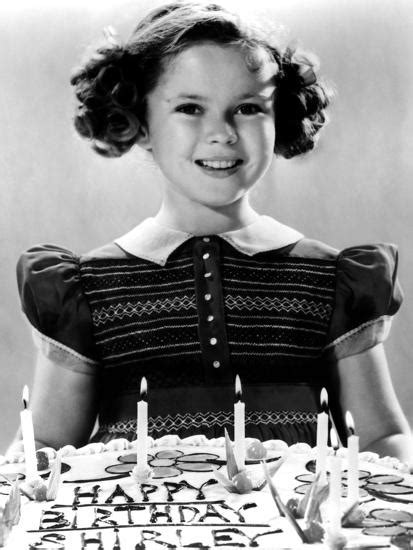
113 84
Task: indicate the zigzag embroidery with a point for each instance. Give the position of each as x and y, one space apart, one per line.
148 307
317 309
171 423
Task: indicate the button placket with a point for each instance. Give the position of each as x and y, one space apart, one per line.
211 325
208 297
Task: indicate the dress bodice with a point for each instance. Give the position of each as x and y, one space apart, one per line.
279 319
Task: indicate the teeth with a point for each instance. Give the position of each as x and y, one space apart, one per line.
220 164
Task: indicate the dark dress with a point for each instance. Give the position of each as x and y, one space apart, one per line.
279 319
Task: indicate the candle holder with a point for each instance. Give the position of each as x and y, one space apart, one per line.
141 474
35 488
241 481
10 514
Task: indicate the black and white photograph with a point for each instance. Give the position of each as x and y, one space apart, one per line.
207 279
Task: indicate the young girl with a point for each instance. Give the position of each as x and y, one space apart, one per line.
208 288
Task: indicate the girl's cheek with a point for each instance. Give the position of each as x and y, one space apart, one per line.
258 127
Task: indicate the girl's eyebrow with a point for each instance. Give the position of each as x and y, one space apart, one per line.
265 97
197 97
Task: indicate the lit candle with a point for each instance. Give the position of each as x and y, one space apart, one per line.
334 497
322 435
352 461
26 421
239 426
142 427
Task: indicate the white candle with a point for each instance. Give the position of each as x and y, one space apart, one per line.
142 427
322 435
334 497
352 461
239 426
26 421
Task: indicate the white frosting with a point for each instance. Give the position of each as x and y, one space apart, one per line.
98 456
276 445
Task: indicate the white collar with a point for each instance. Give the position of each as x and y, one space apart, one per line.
154 242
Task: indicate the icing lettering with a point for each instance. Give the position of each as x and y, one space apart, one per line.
182 508
128 510
147 489
199 490
116 545
86 541
212 512
253 541
44 542
155 514
74 520
58 520
124 515
172 488
102 516
148 535
93 495
118 492
199 545
240 517
200 495
223 537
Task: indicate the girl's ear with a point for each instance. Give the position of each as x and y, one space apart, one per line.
143 138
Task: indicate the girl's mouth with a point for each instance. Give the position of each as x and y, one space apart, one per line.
219 165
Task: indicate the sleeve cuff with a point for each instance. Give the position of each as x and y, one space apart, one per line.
360 339
63 355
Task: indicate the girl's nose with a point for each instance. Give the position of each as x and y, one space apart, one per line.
221 131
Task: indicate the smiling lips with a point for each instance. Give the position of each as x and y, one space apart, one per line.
219 164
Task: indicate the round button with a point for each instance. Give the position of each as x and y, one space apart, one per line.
207 275
205 256
213 341
206 239
216 364
207 297
210 318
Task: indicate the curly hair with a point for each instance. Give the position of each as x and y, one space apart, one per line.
114 82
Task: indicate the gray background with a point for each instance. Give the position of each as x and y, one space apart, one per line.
356 188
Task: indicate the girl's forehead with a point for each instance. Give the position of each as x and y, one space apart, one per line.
210 66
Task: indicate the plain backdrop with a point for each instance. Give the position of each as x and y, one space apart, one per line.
356 188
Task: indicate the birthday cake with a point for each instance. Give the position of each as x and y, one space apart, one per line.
192 501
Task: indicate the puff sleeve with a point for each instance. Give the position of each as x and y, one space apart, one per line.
51 295
368 294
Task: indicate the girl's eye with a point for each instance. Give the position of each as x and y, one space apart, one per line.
189 109
249 109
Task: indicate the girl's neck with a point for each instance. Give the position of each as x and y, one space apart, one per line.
206 220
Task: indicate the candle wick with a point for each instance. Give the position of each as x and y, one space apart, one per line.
24 404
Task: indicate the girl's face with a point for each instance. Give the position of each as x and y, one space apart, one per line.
210 125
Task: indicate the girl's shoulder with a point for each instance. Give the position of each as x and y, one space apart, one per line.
382 256
366 275
48 270
366 289
312 249
49 279
109 251
52 297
